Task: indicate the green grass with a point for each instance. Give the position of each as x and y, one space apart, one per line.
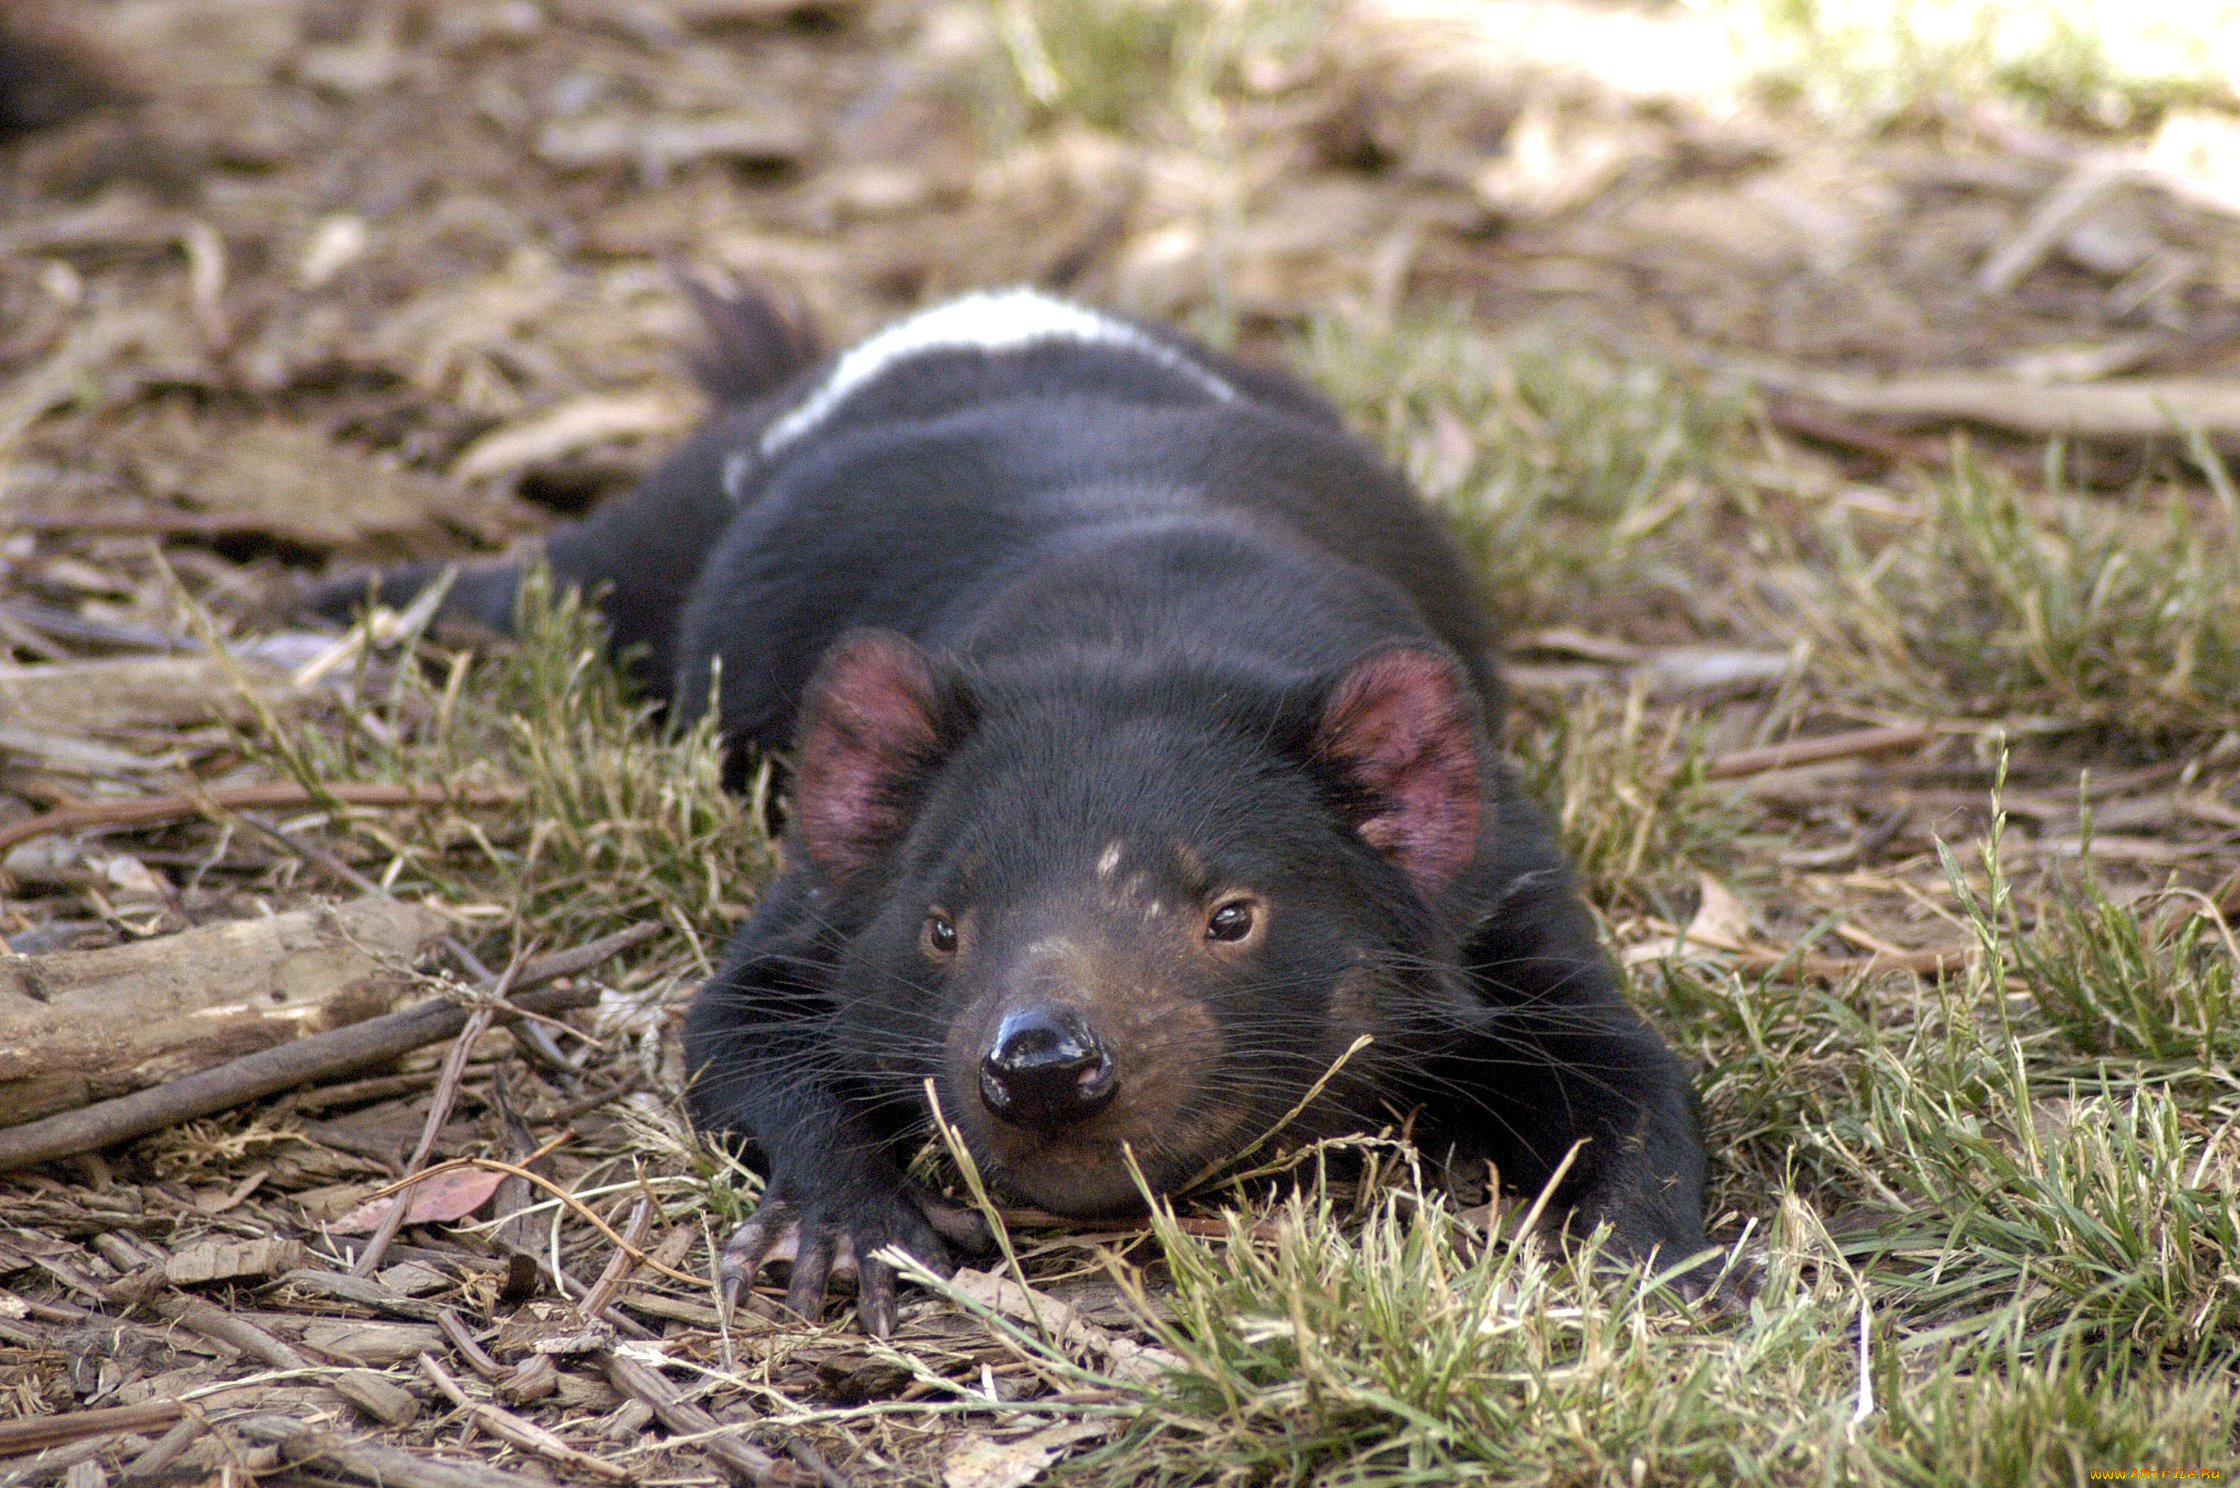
2118 614
621 819
1150 68
1625 781
1568 472
2094 63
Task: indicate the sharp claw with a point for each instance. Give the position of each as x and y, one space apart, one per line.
749 1246
844 1262
812 1265
875 1298
751 1243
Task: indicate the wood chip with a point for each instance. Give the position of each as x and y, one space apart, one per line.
390 1467
223 1260
341 1286
535 1378
378 1396
371 1343
657 145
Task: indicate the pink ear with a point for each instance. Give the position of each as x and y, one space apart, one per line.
870 722
1399 725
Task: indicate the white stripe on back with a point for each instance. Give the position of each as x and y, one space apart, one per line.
987 320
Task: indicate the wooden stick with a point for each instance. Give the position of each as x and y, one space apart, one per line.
527 1435
745 1462
143 810
1818 751
478 1359
319 1057
42 1432
216 1324
167 523
2116 409
620 1264
170 1449
1833 428
302 1442
439 1111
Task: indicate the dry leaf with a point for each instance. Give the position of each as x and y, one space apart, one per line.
1720 920
982 1462
438 1200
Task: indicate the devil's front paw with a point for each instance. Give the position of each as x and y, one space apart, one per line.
832 1233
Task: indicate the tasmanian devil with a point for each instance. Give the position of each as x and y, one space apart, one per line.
1141 765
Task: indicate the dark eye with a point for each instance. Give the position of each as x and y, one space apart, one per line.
941 934
1231 922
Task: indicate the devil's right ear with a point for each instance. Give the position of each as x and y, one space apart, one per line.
875 722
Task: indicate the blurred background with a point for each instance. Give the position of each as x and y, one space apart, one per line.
383 233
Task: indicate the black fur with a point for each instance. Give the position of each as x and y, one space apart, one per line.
1138 603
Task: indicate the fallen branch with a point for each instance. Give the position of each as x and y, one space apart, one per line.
82 1026
300 1442
1820 751
745 1462
2122 409
42 1432
321 1056
527 1435
143 810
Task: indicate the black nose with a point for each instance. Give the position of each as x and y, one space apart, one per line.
1046 1067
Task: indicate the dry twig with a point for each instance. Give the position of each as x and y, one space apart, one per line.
439 1111
527 1435
149 809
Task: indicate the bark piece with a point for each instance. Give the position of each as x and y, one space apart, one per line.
379 1397
299 486
371 1343
321 1056
223 1260
77 1026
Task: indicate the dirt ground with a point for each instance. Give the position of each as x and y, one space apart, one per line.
326 283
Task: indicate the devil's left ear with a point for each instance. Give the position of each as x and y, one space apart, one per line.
1400 727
